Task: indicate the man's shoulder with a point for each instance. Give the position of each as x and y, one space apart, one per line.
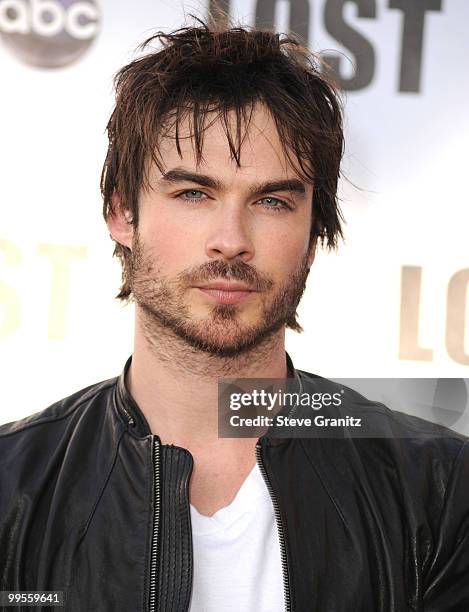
58 413
419 437
425 461
36 449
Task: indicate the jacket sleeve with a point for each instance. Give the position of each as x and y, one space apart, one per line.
446 580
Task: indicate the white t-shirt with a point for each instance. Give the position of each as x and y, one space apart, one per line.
237 566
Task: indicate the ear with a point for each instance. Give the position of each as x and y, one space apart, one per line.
119 222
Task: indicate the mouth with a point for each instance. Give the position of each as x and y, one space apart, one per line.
226 292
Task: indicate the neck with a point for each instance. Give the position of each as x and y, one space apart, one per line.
176 385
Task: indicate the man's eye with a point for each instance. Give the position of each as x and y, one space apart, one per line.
192 194
273 203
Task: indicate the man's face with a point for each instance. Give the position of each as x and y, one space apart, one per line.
221 253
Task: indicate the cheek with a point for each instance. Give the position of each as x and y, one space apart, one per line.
174 244
284 250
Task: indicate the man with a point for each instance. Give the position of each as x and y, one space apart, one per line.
220 180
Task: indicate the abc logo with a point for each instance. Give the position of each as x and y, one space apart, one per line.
48 33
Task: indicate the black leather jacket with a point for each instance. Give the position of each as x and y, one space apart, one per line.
91 503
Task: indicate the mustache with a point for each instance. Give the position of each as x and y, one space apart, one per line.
221 269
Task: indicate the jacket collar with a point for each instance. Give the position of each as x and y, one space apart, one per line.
134 417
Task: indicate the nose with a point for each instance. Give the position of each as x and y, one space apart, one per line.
229 235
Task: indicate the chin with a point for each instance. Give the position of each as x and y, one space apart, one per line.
226 338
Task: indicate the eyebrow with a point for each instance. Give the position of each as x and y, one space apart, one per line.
178 175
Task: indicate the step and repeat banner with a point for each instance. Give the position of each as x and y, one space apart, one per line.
392 302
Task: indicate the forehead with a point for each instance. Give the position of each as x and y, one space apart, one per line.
261 152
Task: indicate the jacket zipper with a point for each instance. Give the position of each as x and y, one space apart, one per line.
156 523
280 529
129 418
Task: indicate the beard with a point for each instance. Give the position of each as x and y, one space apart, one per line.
221 333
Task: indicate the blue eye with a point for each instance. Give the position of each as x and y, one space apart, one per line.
273 203
193 194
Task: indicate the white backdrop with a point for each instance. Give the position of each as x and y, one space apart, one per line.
392 302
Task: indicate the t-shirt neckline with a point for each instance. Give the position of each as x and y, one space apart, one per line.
246 499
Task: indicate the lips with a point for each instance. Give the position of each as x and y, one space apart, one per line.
226 286
226 292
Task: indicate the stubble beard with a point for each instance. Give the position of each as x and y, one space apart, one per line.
165 312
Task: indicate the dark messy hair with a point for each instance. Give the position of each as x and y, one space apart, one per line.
206 69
